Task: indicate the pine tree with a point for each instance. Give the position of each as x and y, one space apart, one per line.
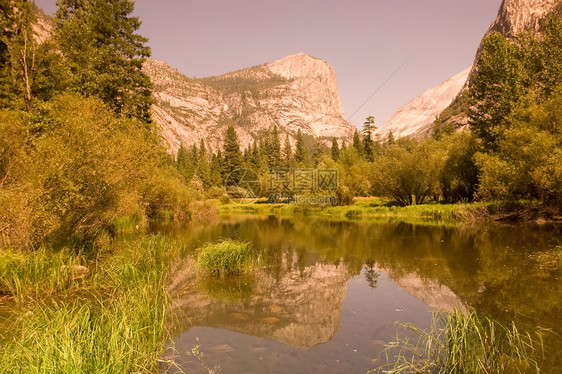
203 166
185 163
335 150
217 172
104 54
368 146
263 157
287 154
28 70
368 127
301 153
357 144
391 139
181 159
232 156
274 149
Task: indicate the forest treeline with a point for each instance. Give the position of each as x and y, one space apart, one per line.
513 150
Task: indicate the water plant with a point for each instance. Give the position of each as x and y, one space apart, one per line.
227 257
463 343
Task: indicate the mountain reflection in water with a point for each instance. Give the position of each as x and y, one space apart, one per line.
330 293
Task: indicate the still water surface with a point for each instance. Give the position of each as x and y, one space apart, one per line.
330 293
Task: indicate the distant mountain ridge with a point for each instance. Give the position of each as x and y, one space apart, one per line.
298 92
417 117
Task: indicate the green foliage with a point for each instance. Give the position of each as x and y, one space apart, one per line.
368 144
103 54
357 144
287 155
408 172
33 275
498 85
352 179
29 70
335 150
115 325
528 162
459 175
72 168
232 162
273 149
464 343
513 73
302 156
228 257
453 117
258 81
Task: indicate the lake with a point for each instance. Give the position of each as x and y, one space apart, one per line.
329 294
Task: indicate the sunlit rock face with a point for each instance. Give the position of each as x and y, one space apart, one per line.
297 306
296 92
416 118
515 16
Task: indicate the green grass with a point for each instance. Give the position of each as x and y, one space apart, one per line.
114 322
28 275
381 208
228 257
463 343
365 209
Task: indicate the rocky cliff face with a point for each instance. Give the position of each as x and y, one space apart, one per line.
296 92
515 16
416 118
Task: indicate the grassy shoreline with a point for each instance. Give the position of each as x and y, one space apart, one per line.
375 208
109 320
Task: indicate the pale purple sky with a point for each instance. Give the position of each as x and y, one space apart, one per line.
364 40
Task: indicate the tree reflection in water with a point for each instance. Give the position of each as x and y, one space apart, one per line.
371 275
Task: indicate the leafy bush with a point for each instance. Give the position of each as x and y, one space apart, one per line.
528 161
73 168
408 172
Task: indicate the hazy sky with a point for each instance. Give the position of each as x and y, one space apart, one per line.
364 40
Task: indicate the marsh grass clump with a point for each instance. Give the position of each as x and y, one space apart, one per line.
228 257
463 343
35 274
113 323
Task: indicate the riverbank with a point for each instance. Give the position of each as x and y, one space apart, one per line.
374 208
67 312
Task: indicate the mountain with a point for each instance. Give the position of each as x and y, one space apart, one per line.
416 118
296 92
515 16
